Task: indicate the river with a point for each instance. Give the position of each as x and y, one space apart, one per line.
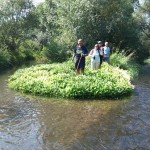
35 123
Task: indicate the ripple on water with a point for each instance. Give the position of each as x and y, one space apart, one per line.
39 124
18 124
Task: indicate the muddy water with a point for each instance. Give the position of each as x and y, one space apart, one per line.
31 123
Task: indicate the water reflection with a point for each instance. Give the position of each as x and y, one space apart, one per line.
19 124
50 124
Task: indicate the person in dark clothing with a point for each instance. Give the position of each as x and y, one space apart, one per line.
80 52
101 50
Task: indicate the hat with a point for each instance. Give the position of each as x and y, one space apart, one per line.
99 42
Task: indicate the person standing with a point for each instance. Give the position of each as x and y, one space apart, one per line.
106 53
80 52
101 50
95 57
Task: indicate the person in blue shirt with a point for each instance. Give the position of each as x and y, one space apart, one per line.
80 52
106 56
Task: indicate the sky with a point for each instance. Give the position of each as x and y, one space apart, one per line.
37 1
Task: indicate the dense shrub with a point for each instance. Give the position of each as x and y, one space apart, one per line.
54 52
125 61
147 61
5 58
24 53
26 50
59 80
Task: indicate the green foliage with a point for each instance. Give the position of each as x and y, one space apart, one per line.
147 61
47 26
125 61
142 17
54 52
5 58
54 27
98 20
25 50
91 20
59 80
17 21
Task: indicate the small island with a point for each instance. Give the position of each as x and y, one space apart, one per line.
59 80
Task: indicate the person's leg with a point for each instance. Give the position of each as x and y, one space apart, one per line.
77 65
92 65
108 60
97 64
82 71
101 59
77 71
82 66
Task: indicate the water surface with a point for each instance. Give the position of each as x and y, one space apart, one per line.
48 124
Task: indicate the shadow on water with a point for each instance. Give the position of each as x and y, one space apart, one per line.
49 124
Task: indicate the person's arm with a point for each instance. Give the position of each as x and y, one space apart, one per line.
91 53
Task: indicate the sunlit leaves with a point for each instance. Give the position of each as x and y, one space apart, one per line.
59 80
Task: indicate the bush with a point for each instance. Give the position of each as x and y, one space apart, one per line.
26 50
54 52
5 58
147 61
125 61
59 80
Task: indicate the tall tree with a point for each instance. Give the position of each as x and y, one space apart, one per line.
94 20
142 17
15 22
47 16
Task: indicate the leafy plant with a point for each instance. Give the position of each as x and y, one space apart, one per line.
125 61
59 80
147 61
5 58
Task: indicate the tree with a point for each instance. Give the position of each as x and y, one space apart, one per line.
46 14
142 17
16 21
95 20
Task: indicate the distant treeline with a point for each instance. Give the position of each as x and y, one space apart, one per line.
49 31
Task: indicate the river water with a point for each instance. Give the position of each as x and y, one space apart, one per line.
34 123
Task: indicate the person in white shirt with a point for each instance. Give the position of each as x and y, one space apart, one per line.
95 57
106 56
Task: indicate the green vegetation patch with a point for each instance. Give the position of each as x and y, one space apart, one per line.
59 80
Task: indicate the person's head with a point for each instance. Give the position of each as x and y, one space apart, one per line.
96 46
80 42
99 43
106 43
